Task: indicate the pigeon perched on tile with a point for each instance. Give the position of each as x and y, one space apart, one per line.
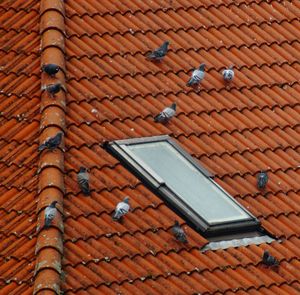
159 53
228 74
166 114
50 69
51 143
262 180
50 213
179 233
83 181
197 76
121 209
269 260
53 88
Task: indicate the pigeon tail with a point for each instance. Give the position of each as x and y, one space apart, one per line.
158 118
47 223
85 189
117 215
192 82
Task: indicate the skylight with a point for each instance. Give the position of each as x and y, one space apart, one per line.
183 183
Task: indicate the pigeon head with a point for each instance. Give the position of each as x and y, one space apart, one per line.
173 106
126 200
59 134
82 169
53 204
230 67
262 174
202 67
266 254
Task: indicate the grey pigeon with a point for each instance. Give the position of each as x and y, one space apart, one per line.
53 88
121 209
159 53
50 69
166 114
262 180
228 74
83 181
51 143
179 233
269 260
197 76
50 213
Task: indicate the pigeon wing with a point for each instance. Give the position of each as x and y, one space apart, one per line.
179 234
122 208
49 216
83 181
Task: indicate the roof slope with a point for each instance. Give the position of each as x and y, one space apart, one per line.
234 131
19 127
113 93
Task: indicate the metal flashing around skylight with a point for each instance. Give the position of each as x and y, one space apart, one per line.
186 186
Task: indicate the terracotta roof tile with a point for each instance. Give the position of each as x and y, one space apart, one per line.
113 93
19 126
233 131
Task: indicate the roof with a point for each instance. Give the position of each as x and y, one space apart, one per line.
113 93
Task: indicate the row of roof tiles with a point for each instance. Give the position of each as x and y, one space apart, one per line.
93 116
17 237
114 93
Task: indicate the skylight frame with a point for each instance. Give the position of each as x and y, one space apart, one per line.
120 150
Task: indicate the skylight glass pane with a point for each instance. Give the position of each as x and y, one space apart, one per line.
197 190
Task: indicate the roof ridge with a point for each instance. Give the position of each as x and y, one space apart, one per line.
49 244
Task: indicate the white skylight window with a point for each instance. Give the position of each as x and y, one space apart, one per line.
186 186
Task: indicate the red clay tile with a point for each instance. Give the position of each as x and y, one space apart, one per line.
113 93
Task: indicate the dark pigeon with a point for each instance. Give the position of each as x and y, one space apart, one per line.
50 213
269 260
159 53
197 76
51 69
122 208
53 88
262 180
83 181
179 233
166 114
51 143
228 74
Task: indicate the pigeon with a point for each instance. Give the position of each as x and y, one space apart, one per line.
51 143
159 53
179 233
122 208
50 213
83 181
50 69
166 114
268 259
197 76
228 74
53 88
262 179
